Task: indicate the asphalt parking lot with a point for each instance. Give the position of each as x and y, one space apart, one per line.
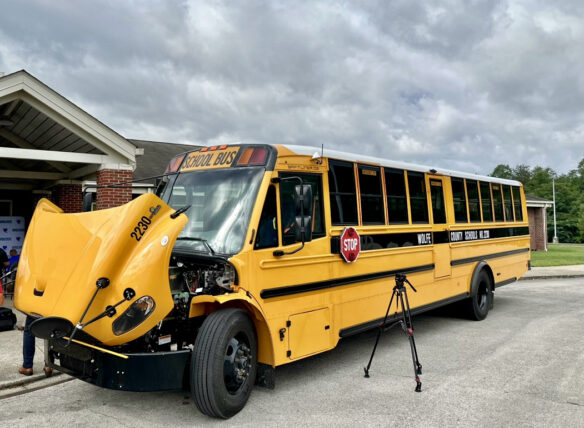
523 367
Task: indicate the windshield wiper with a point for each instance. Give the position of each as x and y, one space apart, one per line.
193 238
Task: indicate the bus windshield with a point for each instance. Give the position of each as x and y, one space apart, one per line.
221 202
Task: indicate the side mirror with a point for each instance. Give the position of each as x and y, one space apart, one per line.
87 201
303 201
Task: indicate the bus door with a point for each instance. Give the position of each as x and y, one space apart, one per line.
441 245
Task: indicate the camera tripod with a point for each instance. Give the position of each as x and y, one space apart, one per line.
405 321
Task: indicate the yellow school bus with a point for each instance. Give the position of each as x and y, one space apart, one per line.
254 256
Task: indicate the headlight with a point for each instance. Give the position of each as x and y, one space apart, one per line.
134 315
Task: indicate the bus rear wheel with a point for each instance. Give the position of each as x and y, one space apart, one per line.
224 363
477 306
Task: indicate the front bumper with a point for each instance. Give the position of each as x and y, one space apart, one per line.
154 371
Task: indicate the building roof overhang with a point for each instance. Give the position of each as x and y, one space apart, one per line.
44 136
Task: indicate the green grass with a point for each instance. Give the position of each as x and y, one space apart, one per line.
558 255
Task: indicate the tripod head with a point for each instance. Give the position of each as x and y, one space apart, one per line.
400 279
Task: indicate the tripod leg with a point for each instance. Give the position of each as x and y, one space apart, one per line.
408 328
411 326
366 369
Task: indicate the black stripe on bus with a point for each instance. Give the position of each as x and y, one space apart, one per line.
487 256
337 282
359 328
506 282
414 239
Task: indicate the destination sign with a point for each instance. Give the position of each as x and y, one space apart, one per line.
210 159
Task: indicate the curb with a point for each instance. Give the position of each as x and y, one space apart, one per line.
557 276
27 380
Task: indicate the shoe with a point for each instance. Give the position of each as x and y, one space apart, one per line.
26 372
48 371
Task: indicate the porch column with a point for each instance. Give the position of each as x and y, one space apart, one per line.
67 196
113 197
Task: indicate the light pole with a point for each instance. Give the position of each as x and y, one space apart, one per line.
555 239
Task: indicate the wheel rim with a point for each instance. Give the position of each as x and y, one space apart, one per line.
237 363
482 296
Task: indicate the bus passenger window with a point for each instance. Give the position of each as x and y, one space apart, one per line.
343 194
474 207
418 198
498 202
438 208
397 205
517 203
288 206
267 235
508 206
486 201
372 210
459 199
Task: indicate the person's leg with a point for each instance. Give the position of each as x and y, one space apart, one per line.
28 345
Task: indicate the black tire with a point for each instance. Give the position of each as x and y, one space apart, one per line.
224 363
477 306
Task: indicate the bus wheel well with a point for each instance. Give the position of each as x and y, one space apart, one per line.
484 266
265 345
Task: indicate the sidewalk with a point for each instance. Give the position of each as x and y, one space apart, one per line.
11 356
574 271
11 341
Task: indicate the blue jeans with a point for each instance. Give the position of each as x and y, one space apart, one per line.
28 344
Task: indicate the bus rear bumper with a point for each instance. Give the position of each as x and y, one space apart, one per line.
155 371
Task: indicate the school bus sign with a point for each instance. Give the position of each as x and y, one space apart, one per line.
210 159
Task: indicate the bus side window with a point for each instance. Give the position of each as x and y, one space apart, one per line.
267 235
372 209
517 203
498 202
397 204
288 207
459 199
418 197
438 208
474 207
343 194
508 205
486 201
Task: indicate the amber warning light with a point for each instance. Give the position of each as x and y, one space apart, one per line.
174 163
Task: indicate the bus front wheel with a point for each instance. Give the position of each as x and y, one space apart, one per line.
224 363
477 306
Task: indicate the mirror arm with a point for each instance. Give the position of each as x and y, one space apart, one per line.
280 253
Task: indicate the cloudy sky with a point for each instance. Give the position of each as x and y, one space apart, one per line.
456 84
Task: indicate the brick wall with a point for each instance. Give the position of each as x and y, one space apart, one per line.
113 197
68 197
537 228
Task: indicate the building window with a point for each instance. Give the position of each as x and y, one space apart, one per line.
418 197
372 210
459 199
474 207
397 203
486 201
343 196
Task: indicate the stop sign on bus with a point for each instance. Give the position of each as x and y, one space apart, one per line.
350 244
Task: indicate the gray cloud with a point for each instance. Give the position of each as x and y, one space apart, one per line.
463 85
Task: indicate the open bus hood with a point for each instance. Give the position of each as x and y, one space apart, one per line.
65 254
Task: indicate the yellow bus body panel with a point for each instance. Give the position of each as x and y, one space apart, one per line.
65 254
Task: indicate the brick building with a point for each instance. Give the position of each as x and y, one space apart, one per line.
51 148
537 216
